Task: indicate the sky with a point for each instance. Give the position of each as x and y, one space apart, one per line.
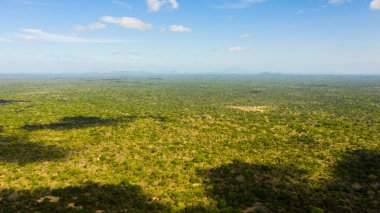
190 36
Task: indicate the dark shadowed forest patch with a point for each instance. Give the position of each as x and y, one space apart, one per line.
16 149
90 197
3 102
77 122
80 122
244 186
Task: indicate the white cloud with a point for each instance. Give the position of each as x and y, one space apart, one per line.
97 26
122 4
179 29
338 1
127 22
375 5
39 35
93 26
174 4
239 4
238 49
156 5
80 29
5 40
27 37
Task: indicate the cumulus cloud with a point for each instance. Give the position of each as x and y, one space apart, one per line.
97 26
80 29
93 26
179 29
122 4
39 35
127 22
338 1
238 4
375 5
174 4
153 5
156 5
238 49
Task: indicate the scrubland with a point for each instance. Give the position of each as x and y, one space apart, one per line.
260 143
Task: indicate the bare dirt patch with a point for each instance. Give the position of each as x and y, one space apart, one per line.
260 109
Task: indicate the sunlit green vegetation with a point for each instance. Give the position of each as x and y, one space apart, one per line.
174 143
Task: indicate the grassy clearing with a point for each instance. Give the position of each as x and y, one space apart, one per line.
171 144
261 109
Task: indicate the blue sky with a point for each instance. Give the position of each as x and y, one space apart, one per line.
186 36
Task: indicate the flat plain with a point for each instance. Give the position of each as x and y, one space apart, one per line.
211 143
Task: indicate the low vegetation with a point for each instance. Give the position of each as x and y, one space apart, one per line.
190 144
250 108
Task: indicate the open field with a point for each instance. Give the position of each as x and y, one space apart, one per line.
175 143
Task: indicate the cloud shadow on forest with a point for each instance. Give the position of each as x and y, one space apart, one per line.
355 186
16 149
4 102
90 197
80 122
77 122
